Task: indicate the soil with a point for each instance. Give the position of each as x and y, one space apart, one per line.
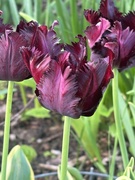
45 136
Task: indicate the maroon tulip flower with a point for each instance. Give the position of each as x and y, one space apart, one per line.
66 82
111 30
12 67
41 37
106 10
43 42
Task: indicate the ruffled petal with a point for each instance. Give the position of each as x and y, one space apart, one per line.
27 30
122 43
109 11
40 37
77 53
95 32
57 91
95 77
92 16
36 62
4 27
128 20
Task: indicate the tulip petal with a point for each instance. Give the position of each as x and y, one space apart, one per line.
40 37
12 66
92 16
95 76
77 51
57 91
128 20
123 46
95 32
36 62
109 11
4 27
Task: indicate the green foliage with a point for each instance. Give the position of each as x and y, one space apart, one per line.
28 83
18 167
126 119
72 174
129 173
37 113
87 130
29 152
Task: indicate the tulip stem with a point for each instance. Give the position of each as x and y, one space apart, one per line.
65 148
6 130
118 121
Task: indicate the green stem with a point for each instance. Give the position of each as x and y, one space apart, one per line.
118 119
6 130
23 94
65 148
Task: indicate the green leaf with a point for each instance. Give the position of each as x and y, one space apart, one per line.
28 7
28 83
126 119
38 113
123 178
104 111
73 174
132 108
18 167
29 152
128 174
26 17
14 11
86 129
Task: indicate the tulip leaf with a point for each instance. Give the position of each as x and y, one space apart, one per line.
126 119
28 83
38 113
18 167
129 174
26 17
132 108
14 11
86 130
29 152
74 174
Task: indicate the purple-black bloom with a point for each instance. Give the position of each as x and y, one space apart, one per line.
43 42
66 82
112 30
12 66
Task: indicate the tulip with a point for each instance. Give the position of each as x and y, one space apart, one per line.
110 30
66 82
12 67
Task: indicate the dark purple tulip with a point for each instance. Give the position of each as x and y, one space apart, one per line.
12 67
106 10
44 44
41 37
111 30
67 83
122 44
